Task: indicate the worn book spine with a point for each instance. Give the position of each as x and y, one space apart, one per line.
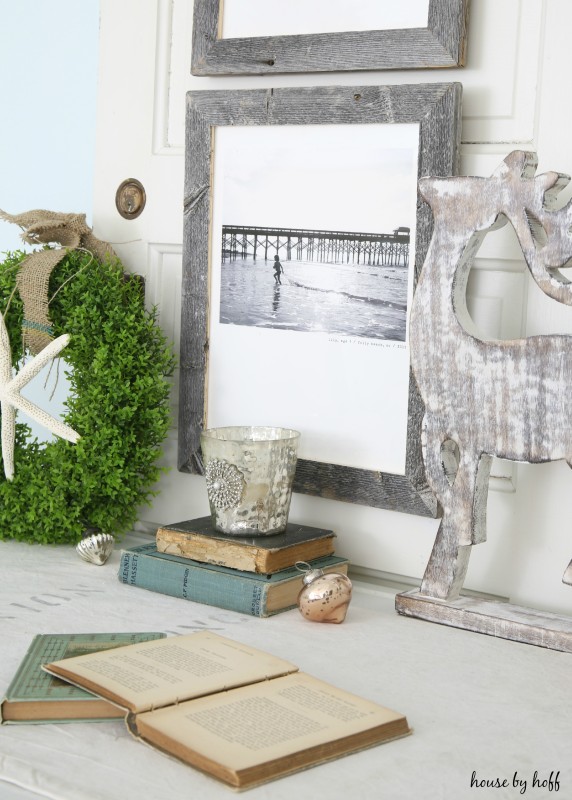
198 540
236 592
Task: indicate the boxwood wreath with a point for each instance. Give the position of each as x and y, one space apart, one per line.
118 365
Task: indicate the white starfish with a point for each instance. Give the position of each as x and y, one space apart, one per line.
11 399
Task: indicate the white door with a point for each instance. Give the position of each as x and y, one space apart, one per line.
516 53
140 128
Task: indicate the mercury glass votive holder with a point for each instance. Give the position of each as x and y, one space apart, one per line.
249 473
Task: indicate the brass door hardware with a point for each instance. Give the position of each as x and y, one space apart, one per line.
130 198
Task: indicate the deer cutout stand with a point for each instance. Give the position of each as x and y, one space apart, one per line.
511 399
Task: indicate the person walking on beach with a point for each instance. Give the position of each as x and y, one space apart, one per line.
278 269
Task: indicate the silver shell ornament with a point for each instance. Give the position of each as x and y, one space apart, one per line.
96 548
325 597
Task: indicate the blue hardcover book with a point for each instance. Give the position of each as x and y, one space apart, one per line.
246 592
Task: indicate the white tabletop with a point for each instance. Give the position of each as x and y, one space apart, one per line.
476 703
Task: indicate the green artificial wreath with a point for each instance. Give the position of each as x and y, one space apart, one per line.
118 363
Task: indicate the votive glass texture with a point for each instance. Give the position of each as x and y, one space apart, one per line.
249 473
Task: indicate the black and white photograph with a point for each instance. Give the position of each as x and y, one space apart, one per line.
313 236
343 282
297 250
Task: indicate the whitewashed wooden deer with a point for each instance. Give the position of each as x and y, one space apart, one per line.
511 399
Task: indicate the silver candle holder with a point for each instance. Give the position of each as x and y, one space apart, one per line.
249 473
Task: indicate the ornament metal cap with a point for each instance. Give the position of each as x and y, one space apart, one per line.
311 575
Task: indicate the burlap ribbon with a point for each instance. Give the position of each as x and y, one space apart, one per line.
44 227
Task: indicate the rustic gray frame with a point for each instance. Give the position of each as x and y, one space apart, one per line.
441 44
436 108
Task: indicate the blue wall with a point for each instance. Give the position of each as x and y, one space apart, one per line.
48 64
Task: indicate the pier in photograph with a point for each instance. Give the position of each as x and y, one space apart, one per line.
342 247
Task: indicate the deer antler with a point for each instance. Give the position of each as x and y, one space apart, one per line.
544 234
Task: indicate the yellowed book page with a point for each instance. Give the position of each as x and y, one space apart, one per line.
222 553
261 731
154 674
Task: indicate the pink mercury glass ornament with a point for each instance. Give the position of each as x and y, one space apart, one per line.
325 597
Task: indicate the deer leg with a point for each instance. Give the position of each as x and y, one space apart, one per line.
461 492
447 565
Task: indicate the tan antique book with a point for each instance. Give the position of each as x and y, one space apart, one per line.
236 713
198 540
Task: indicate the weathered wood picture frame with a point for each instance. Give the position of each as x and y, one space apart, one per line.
441 44
435 110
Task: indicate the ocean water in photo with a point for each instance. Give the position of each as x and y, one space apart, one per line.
342 299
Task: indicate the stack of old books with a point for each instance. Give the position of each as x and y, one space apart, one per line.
260 576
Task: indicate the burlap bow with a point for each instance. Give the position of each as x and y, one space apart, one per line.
44 227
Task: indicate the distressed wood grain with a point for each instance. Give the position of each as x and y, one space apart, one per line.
494 618
510 399
441 44
435 108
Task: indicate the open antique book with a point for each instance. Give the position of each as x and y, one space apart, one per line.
237 713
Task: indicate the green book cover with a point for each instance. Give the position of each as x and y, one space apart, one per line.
33 696
259 595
